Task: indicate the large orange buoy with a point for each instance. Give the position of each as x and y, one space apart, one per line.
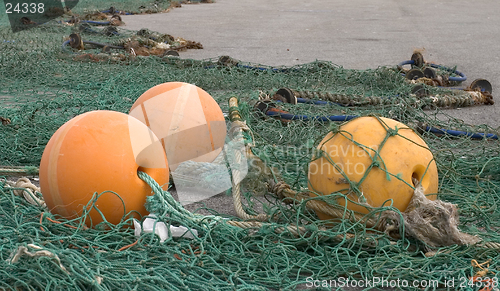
188 121
402 158
101 151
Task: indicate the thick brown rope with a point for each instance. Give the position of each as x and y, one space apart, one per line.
18 171
283 191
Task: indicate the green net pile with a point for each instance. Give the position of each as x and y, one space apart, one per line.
43 85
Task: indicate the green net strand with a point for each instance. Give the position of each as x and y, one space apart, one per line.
226 257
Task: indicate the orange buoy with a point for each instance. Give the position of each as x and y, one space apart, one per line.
348 155
188 121
101 151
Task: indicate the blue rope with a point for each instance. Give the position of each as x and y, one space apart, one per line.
306 118
95 22
101 44
315 102
289 116
455 79
65 44
462 77
409 62
90 22
461 133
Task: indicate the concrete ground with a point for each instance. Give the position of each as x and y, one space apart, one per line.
354 34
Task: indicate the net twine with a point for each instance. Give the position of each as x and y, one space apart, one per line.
23 251
421 212
44 86
434 223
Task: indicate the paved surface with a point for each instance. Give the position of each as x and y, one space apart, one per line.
354 34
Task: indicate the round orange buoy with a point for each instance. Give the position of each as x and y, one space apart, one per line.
349 153
101 151
188 121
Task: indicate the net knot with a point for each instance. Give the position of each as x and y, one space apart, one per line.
334 128
392 131
354 186
278 188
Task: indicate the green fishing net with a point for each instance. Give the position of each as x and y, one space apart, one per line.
45 83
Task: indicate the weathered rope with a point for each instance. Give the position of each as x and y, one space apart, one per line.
388 222
23 251
298 231
24 187
18 171
283 191
342 99
489 245
236 134
280 188
468 98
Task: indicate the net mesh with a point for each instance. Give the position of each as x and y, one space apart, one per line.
44 85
